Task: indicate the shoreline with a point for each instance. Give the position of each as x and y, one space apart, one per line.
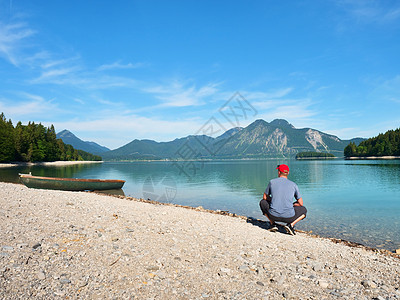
58 163
372 157
56 244
317 158
261 223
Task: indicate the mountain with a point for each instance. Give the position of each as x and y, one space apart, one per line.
229 133
260 139
148 149
279 139
69 138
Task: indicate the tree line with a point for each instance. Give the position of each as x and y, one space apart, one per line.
385 144
35 143
310 154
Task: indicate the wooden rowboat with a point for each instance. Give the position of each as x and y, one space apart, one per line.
70 184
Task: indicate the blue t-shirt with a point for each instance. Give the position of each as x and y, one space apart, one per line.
282 191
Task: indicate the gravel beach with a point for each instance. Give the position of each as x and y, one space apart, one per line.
77 245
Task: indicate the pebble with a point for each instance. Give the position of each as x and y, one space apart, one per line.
7 248
36 246
244 268
369 284
41 275
324 284
225 270
65 280
152 268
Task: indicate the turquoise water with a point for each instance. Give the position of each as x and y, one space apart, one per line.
354 200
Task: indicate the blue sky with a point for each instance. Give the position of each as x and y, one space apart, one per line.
114 71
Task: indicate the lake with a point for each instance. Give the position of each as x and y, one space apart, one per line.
358 201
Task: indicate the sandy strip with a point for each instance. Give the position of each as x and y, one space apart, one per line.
52 163
56 244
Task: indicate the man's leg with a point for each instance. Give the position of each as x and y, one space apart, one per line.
300 214
264 205
297 220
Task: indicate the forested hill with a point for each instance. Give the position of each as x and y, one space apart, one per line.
385 144
34 143
69 138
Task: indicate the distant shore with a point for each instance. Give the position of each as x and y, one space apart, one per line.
372 157
47 163
316 158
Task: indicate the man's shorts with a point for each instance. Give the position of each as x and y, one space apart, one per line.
298 211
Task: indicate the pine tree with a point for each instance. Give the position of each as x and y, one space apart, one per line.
7 150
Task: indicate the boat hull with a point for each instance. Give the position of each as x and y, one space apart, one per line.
70 184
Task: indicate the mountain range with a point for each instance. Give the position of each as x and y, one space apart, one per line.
260 139
69 138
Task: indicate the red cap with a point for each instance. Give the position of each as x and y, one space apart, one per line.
283 168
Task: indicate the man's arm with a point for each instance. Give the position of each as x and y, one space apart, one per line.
267 197
299 202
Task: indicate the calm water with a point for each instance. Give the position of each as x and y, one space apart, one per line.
354 200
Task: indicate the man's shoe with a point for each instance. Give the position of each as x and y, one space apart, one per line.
289 229
273 227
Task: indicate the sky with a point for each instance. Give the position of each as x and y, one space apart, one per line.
115 71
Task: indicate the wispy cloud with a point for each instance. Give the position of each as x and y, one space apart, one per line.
12 38
57 73
276 93
298 110
178 94
28 105
270 99
370 11
118 66
388 90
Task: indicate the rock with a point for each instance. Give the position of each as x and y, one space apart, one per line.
59 292
368 284
225 270
323 283
7 248
41 275
335 293
317 267
37 245
304 278
161 274
65 280
244 268
398 251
